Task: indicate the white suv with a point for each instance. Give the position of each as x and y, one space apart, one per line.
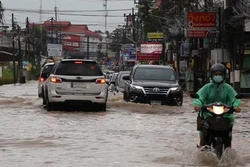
76 81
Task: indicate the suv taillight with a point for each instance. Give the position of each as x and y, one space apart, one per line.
41 79
55 80
100 81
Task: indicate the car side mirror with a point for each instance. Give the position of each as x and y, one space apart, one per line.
126 78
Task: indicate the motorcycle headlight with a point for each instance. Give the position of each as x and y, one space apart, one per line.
218 110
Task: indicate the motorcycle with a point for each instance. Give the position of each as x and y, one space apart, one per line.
217 129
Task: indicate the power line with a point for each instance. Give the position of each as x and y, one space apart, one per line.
66 11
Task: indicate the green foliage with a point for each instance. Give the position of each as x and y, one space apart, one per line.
7 75
6 81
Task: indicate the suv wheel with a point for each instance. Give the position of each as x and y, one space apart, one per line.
125 97
49 106
102 107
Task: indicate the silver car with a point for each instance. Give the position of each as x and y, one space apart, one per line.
76 81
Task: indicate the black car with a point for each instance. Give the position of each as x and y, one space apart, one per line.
154 84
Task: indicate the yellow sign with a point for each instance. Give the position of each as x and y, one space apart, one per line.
155 35
29 67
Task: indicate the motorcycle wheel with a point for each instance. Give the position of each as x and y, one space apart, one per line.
219 148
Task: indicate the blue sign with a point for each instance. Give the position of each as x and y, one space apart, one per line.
184 49
132 54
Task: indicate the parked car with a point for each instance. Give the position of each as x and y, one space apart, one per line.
154 84
120 82
76 81
44 74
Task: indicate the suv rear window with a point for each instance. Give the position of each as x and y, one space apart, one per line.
78 68
162 74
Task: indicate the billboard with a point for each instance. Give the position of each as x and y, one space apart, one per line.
71 43
151 48
128 52
147 57
201 24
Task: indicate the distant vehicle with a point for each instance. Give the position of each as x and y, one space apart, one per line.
44 74
120 82
112 81
108 75
76 81
153 84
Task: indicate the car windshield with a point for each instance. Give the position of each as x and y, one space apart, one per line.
162 74
78 68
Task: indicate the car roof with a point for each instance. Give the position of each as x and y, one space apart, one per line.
48 64
124 72
154 66
87 60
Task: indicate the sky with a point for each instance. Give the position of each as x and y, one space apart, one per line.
69 10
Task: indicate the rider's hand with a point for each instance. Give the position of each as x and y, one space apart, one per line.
237 109
197 108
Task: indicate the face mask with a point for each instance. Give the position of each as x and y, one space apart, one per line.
218 79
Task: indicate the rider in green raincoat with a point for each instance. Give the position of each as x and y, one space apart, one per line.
217 91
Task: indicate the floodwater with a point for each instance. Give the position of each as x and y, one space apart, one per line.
127 135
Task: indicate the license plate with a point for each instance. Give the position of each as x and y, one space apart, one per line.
155 102
78 85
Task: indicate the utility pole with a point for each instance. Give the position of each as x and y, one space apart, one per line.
133 24
52 30
56 24
20 64
87 47
14 50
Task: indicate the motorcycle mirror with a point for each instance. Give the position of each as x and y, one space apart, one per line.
239 96
194 95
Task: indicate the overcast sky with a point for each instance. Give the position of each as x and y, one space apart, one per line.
94 22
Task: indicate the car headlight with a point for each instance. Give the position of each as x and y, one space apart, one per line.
134 87
174 89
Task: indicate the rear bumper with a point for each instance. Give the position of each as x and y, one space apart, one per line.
59 98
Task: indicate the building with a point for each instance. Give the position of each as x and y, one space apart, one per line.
76 39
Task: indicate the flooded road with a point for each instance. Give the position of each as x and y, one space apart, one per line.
127 135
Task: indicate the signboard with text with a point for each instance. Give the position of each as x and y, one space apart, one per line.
71 43
155 37
201 24
143 57
151 48
54 50
150 51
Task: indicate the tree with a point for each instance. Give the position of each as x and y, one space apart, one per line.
169 18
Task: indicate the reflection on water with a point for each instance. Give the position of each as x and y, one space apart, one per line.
128 134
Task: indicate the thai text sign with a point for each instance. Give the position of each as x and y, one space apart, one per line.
201 24
155 35
147 57
151 48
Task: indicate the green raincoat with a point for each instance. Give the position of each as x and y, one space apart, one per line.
214 92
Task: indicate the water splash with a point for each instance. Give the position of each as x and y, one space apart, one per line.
229 158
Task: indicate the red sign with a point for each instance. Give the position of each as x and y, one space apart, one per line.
71 43
142 57
201 24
